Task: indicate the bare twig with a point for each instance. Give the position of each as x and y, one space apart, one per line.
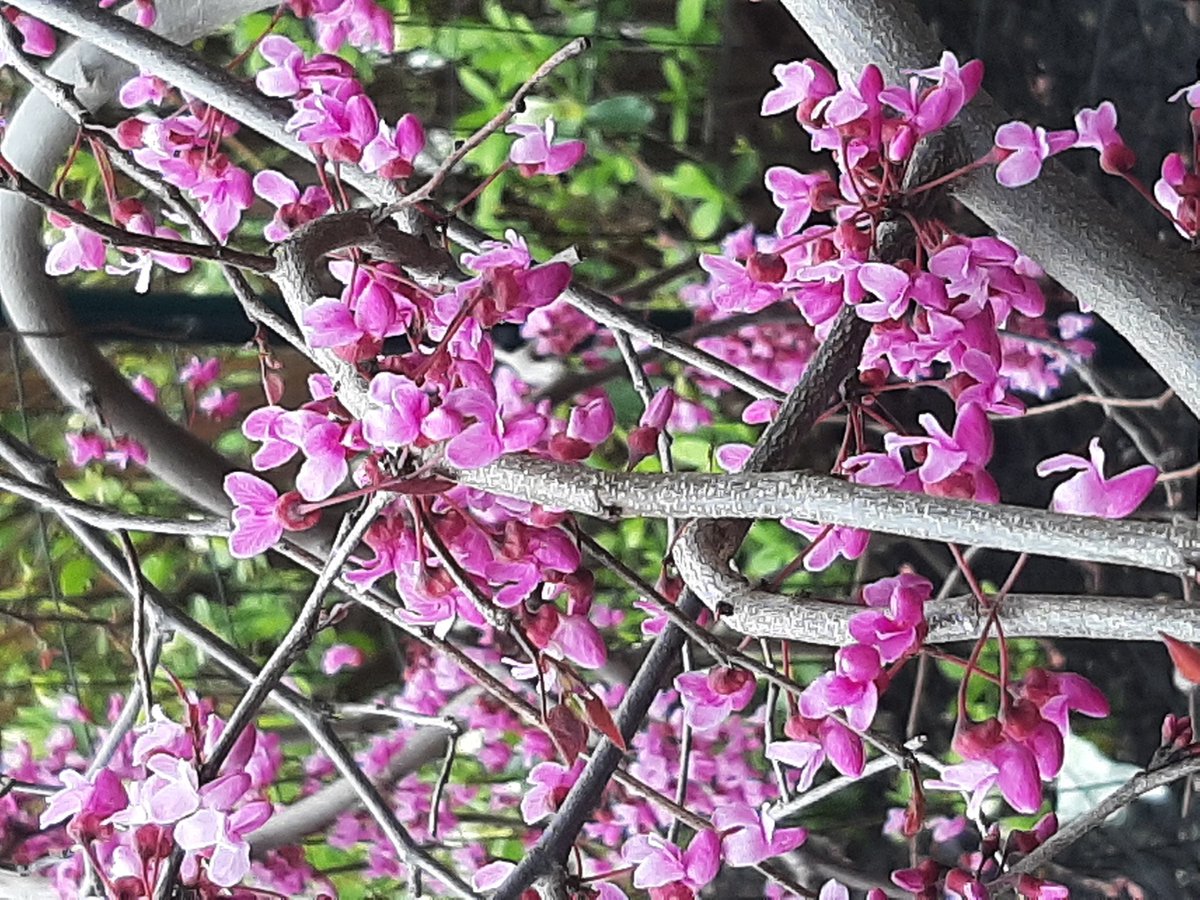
100 517
1141 783
14 181
514 105
298 636
141 622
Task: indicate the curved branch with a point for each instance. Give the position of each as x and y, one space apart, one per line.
1145 292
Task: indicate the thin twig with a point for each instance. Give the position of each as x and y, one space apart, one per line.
1141 783
514 105
109 519
298 636
13 181
145 672
134 703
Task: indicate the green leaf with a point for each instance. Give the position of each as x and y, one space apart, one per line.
75 578
706 219
691 182
689 17
477 86
623 114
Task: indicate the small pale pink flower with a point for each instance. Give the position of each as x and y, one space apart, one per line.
659 863
749 836
535 152
1098 129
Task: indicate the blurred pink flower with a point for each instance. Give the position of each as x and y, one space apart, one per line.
341 656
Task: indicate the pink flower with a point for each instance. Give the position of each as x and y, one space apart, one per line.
802 85
277 430
797 195
142 89
261 515
341 656
551 782
198 374
660 863
87 801
223 189
535 152
326 447
578 639
335 126
1178 190
79 248
734 288
392 154
1022 149
709 697
290 74
851 687
84 447
749 836
397 408
219 405
954 464
37 37
1098 130
1089 493
592 422
1189 93
215 832
812 742
902 628
293 208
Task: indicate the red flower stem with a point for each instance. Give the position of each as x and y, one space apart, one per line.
454 210
954 660
986 160
1147 195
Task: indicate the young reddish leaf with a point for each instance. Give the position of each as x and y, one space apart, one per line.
273 387
569 732
601 719
1185 656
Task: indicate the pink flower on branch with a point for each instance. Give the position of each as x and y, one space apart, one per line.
261 515
1098 129
1022 149
536 153
749 836
1089 493
660 864
710 697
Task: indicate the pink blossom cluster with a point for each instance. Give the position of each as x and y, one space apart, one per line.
931 880
126 817
1022 746
838 706
949 315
